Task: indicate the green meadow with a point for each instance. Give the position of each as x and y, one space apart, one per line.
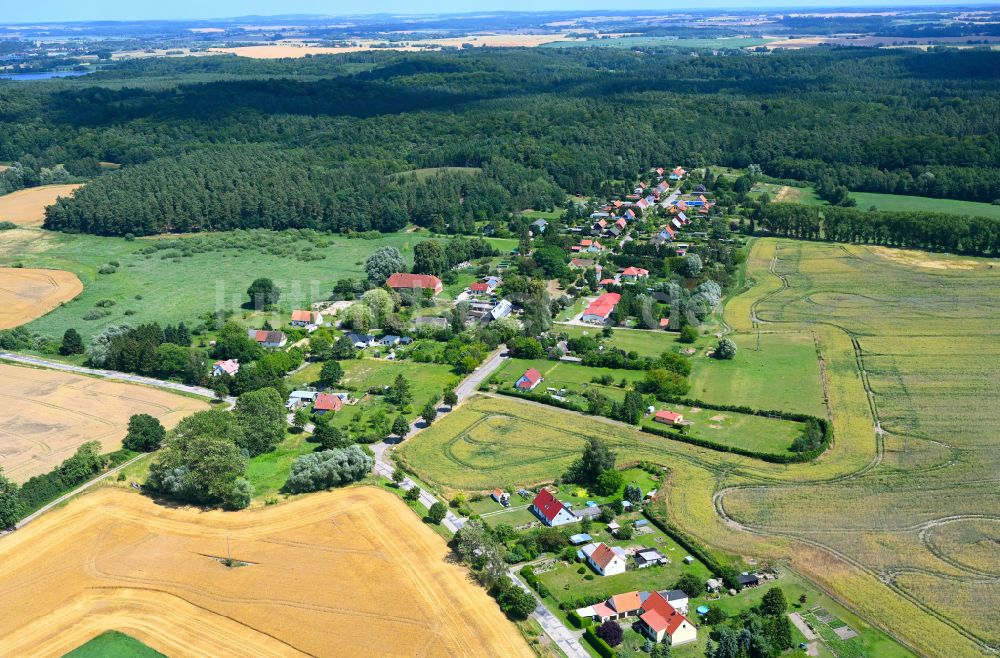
113 644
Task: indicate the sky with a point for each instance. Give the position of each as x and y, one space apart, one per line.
13 11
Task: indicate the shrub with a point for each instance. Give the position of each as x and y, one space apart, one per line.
689 334
107 269
437 512
726 349
6 226
611 632
96 314
329 468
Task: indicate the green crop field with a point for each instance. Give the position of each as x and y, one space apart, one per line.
174 285
770 371
113 645
927 204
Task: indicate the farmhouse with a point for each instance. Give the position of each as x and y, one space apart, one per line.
668 417
661 622
551 511
266 338
327 402
306 318
599 310
606 560
529 380
414 282
299 398
229 367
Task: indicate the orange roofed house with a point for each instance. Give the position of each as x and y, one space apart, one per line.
661 622
306 318
668 417
412 282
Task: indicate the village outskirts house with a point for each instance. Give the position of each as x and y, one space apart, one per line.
667 417
271 339
550 511
605 560
414 282
307 319
529 380
661 622
228 367
327 403
599 311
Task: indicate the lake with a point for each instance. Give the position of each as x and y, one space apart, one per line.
44 75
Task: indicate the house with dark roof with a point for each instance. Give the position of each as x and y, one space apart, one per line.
748 580
551 511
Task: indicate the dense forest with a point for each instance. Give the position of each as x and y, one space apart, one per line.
320 142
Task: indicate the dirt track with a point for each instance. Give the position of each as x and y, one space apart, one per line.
27 206
45 415
346 573
26 294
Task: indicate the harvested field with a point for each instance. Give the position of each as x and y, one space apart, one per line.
296 49
27 206
27 294
45 415
350 572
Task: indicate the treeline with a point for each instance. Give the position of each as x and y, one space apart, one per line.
534 120
912 229
247 187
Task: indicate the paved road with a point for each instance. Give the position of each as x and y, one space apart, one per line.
567 639
471 383
108 374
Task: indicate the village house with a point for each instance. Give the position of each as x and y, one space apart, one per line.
606 560
479 289
501 497
661 622
529 380
360 341
649 557
306 318
539 226
266 338
551 512
677 598
668 417
634 274
299 399
327 402
229 367
501 310
599 310
414 282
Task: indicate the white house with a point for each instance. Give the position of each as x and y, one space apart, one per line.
606 560
551 511
662 622
306 318
229 367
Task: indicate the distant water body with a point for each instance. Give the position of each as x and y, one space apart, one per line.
42 76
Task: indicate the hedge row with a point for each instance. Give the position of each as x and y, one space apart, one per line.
579 622
544 398
529 577
600 646
694 549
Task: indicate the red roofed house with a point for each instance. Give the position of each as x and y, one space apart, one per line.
633 274
479 288
529 380
668 417
660 622
600 309
327 402
266 338
551 511
664 323
404 281
621 223
230 367
606 560
306 318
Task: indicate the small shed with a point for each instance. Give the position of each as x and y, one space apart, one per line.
581 538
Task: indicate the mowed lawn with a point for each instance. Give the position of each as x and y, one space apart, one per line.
180 287
645 342
427 380
573 377
757 433
269 472
113 645
780 371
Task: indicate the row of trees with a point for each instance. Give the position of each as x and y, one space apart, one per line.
912 229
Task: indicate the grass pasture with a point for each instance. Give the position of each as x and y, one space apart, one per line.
927 204
645 342
27 207
113 644
573 377
770 371
203 273
45 415
156 573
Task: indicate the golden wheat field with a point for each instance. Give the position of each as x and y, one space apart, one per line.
45 415
27 206
346 573
26 294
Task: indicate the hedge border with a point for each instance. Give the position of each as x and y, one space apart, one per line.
600 646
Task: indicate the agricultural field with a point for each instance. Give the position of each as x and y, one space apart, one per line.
927 204
113 644
770 371
637 42
170 279
27 207
27 294
46 415
788 194
348 572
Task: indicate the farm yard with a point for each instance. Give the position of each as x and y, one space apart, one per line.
46 415
26 294
27 207
352 569
177 279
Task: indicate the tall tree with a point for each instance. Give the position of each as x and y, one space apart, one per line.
145 433
429 258
72 343
10 503
262 420
263 294
383 262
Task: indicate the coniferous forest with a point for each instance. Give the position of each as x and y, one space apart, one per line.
325 142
